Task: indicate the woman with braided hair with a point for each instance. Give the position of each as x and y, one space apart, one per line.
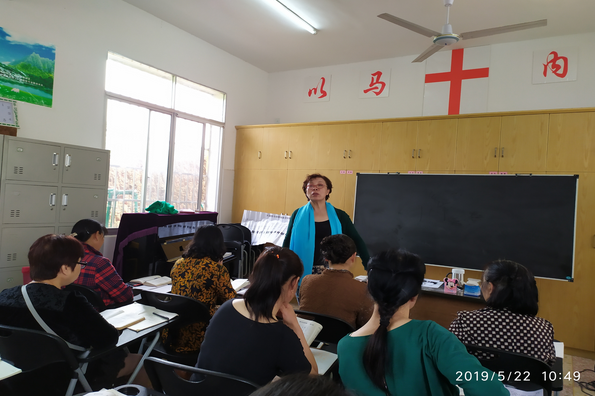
511 297
395 355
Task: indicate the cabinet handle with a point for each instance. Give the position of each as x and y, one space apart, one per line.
67 160
64 199
502 152
495 152
413 153
419 153
349 153
289 154
52 199
259 154
344 154
55 159
285 154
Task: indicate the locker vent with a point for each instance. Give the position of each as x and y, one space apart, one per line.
18 170
15 213
94 213
11 257
97 176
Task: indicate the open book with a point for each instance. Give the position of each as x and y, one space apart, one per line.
7 370
153 280
136 316
239 284
310 329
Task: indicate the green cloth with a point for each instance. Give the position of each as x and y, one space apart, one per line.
423 359
347 228
161 207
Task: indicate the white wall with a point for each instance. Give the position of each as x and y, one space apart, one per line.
83 31
510 87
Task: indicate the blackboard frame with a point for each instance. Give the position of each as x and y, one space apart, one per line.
465 221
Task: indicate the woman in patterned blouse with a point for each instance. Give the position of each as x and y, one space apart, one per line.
200 274
509 322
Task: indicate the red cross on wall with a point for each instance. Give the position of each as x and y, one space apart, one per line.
455 76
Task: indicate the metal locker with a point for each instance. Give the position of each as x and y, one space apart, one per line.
30 161
10 277
15 244
82 203
29 204
85 166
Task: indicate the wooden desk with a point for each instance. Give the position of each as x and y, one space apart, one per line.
442 308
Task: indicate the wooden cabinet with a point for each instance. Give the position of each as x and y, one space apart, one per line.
249 146
349 146
571 143
478 145
398 144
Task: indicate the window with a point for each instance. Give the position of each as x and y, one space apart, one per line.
164 134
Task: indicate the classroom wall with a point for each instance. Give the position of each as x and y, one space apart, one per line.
510 86
84 31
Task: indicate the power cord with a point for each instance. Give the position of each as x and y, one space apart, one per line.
587 385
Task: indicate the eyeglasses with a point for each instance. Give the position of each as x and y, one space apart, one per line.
82 263
315 186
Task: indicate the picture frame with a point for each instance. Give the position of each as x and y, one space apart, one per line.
8 113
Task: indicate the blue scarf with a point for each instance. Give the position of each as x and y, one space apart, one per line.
303 234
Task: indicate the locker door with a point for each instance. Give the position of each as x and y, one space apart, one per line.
85 166
10 277
15 244
28 161
82 203
27 204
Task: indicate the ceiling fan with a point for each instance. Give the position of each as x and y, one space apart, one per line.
447 37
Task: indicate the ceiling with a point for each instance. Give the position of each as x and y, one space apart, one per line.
350 31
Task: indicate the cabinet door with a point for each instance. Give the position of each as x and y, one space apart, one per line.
30 161
10 277
571 142
333 142
478 143
15 244
258 190
363 151
398 145
275 151
82 203
303 147
523 143
27 204
85 166
249 148
436 145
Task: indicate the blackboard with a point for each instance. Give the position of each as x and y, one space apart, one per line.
466 221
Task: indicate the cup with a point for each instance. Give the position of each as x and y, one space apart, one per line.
459 274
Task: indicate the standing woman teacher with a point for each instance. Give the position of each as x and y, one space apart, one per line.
318 219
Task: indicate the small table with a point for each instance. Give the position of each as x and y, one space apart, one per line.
441 307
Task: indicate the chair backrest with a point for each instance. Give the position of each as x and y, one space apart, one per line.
231 233
211 383
188 309
333 329
91 295
520 371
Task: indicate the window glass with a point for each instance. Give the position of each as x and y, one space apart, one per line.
195 99
187 164
158 153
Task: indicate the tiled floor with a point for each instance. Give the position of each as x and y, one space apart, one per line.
572 364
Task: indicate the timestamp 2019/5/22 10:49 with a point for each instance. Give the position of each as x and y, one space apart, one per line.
514 376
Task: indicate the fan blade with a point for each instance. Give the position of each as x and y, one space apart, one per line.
409 25
429 52
503 29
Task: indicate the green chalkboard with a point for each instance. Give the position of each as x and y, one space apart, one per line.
467 221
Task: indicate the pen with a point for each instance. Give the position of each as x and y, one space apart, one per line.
161 316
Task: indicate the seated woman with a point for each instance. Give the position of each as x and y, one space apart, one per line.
247 337
55 262
200 274
99 274
335 292
394 355
511 296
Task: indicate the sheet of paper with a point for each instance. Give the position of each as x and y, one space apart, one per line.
324 359
7 370
559 346
431 283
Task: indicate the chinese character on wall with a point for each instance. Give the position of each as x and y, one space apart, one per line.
374 83
317 88
555 65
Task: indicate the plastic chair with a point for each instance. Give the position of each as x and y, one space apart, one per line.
251 253
333 329
91 295
520 371
164 379
33 351
233 237
189 311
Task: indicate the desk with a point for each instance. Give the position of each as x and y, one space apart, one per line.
442 308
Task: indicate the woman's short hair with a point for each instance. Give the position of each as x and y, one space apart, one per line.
393 279
50 252
514 287
272 270
337 249
83 229
207 242
309 178
302 384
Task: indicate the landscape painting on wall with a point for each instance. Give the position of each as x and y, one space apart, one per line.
26 69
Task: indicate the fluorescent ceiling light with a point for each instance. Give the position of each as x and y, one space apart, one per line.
289 13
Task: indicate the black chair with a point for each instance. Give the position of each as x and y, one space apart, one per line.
189 311
520 371
35 353
333 329
233 237
251 253
164 378
92 296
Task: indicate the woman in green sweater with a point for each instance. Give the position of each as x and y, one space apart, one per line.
395 355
